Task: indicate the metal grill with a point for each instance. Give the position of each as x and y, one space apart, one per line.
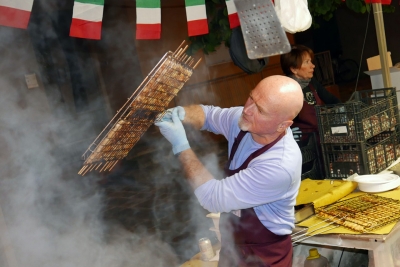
148 102
362 214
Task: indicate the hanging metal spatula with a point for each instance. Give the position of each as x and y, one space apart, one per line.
262 31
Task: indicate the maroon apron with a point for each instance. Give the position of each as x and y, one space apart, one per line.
308 123
306 120
245 241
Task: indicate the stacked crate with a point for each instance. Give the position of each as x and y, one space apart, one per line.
311 165
360 136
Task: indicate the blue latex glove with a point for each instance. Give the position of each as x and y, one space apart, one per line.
297 134
174 132
168 114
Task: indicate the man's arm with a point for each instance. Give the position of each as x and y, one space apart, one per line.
195 171
172 129
194 116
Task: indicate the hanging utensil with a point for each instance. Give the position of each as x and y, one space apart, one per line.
263 33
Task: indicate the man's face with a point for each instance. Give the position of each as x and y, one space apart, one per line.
257 116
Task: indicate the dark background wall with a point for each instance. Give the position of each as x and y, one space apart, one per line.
353 35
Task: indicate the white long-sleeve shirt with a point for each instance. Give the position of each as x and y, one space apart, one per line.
270 183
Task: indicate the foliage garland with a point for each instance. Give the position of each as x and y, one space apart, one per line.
220 32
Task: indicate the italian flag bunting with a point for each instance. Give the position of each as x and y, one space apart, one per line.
148 19
196 17
232 14
87 19
15 13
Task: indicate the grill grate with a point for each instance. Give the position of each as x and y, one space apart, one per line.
140 111
363 213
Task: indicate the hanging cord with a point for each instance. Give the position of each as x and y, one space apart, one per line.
341 257
363 46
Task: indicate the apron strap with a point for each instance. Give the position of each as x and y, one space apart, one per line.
252 156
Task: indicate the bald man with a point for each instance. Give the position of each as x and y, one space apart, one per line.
257 197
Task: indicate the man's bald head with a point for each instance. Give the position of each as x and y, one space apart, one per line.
271 108
283 94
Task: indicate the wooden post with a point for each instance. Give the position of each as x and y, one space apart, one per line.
381 37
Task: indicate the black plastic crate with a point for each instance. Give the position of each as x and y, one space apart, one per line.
343 160
311 164
308 147
314 173
368 114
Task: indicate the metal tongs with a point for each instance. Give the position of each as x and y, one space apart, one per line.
305 233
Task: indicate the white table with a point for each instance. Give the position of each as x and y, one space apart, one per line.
383 250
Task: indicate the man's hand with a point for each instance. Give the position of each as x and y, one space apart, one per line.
168 114
172 129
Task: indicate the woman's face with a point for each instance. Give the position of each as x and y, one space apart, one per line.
306 70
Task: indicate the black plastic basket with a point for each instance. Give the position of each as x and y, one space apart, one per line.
314 173
368 114
343 160
311 164
308 148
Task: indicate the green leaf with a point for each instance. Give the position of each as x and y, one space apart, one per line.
388 8
355 5
219 28
210 47
197 46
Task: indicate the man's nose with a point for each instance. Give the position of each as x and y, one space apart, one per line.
248 108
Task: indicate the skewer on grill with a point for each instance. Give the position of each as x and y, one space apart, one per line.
320 232
197 63
179 47
147 104
363 213
332 225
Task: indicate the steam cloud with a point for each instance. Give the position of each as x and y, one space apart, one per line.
50 216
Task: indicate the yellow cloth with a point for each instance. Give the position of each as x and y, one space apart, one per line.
394 194
323 192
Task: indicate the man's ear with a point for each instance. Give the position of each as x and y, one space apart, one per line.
284 125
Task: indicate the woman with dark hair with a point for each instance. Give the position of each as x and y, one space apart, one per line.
298 64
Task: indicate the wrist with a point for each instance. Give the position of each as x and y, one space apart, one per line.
179 148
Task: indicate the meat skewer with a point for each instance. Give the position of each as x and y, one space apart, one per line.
143 108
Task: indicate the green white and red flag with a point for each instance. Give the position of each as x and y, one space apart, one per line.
15 13
232 14
87 19
196 17
148 19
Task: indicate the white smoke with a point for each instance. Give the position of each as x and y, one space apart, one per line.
50 216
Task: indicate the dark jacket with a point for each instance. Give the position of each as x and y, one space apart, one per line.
307 118
324 94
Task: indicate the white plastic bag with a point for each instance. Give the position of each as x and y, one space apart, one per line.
293 15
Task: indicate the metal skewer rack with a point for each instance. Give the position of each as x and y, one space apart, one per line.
362 214
146 104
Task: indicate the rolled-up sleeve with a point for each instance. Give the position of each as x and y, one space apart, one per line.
219 120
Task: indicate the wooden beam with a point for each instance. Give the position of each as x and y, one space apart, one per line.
381 37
